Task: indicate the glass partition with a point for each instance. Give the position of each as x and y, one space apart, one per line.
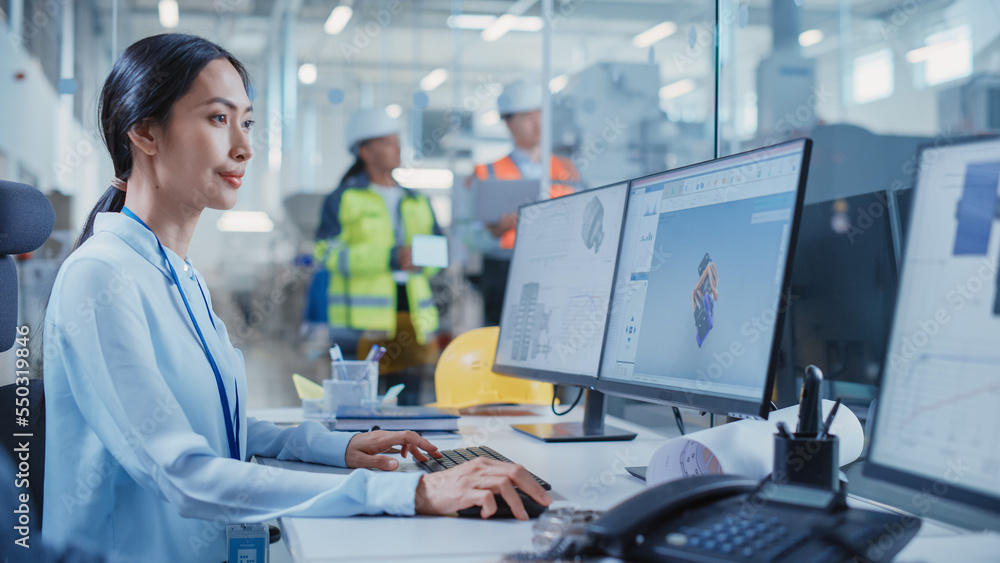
636 87
868 82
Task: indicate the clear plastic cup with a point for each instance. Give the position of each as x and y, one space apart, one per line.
352 383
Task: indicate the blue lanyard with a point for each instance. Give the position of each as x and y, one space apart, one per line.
233 436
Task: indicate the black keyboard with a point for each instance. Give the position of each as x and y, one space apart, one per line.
454 457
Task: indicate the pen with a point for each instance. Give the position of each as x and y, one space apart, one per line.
335 354
811 402
829 421
393 392
783 430
379 354
371 353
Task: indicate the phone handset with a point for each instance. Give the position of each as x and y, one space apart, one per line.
621 528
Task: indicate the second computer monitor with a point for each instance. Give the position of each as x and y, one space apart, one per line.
937 427
700 283
559 286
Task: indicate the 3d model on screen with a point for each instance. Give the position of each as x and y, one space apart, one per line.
593 224
704 296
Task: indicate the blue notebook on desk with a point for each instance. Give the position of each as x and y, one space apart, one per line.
416 418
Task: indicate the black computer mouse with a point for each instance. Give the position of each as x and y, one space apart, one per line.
531 506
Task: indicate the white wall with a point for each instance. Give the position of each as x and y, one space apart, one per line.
39 134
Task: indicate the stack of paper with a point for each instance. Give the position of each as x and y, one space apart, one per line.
419 419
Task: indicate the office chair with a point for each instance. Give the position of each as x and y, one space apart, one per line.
26 220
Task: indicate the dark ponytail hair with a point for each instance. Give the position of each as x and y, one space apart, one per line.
357 168
145 83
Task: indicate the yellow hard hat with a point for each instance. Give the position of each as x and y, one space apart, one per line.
464 376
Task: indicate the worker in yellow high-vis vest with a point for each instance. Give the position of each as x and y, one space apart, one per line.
376 295
520 107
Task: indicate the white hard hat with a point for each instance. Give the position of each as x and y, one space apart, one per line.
520 96
369 124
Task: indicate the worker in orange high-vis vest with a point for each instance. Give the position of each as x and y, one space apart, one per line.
520 106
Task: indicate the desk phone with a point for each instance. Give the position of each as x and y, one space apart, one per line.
716 518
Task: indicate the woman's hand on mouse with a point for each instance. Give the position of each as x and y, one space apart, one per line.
474 483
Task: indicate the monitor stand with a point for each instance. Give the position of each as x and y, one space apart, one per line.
591 430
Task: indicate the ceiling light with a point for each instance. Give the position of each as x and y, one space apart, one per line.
490 118
169 13
499 28
654 34
558 83
528 23
394 110
676 89
433 79
478 21
470 21
338 20
308 73
245 222
938 43
424 178
810 37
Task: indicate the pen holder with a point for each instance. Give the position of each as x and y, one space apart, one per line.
804 460
351 383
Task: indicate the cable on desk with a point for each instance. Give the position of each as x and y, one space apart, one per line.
680 421
575 401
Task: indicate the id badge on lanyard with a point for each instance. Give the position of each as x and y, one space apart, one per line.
232 431
247 543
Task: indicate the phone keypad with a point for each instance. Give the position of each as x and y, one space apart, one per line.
762 537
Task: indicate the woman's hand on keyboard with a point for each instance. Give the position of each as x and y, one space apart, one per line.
474 483
364 448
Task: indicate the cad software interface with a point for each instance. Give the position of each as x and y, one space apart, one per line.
699 279
938 415
559 284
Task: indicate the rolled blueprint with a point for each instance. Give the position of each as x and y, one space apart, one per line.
745 447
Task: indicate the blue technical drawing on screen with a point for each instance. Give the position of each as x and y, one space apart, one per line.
977 208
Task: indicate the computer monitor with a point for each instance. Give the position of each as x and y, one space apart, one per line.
843 281
702 273
936 424
558 292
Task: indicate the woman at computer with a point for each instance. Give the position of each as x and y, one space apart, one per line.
147 434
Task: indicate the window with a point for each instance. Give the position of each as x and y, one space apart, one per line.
947 55
873 76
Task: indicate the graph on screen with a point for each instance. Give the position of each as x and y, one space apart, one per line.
941 388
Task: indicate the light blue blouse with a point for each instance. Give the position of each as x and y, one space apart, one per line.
137 459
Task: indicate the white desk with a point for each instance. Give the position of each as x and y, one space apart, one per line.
588 475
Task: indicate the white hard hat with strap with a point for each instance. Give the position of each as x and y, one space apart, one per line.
520 96
369 124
